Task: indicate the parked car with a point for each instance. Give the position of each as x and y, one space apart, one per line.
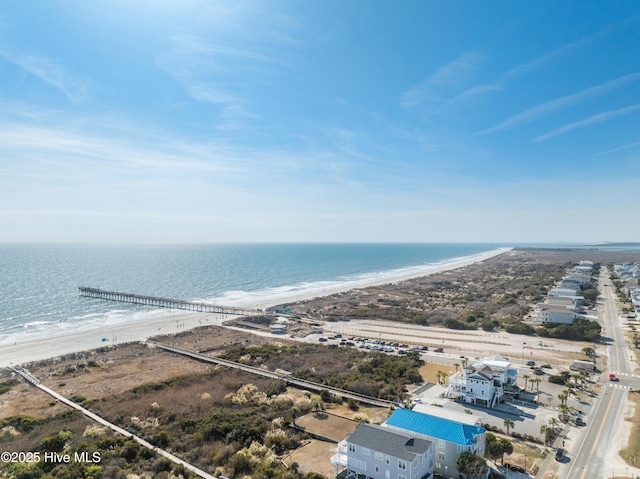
531 363
439 350
424 348
323 340
560 454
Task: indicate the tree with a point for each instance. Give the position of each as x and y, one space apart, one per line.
526 378
536 381
471 465
563 396
589 352
548 432
457 366
317 404
508 424
497 447
295 412
564 412
506 447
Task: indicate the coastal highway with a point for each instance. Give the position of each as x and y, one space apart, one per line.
600 438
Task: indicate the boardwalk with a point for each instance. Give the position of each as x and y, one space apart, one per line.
165 302
302 383
33 380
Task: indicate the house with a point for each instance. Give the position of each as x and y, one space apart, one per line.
573 302
450 438
379 452
551 313
483 382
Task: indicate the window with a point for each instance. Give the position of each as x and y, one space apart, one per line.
379 456
441 443
352 447
387 459
400 476
377 469
402 464
366 451
430 463
441 456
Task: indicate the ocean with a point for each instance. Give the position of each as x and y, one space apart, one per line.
39 283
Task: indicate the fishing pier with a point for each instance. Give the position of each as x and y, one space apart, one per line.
165 302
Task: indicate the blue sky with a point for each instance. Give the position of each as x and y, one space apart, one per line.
319 120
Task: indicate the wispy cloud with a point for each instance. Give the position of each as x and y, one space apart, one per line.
50 72
562 102
452 74
592 120
617 149
535 64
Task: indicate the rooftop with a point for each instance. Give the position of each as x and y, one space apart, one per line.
404 446
432 426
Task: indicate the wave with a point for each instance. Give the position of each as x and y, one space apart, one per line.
274 295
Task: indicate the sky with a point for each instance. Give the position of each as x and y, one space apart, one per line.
320 121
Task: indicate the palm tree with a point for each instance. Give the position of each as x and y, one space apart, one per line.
441 376
563 396
508 424
548 433
536 381
464 362
575 378
564 410
553 422
526 378
295 410
317 404
457 366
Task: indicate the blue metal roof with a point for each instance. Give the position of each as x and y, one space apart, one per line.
432 426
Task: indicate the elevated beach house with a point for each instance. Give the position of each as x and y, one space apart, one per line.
379 452
484 382
449 438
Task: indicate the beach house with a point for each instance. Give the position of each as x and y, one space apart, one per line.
378 452
450 438
557 314
483 382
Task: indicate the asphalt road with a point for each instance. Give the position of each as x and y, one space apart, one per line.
600 436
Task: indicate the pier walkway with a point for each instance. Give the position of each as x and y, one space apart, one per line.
165 302
100 420
301 383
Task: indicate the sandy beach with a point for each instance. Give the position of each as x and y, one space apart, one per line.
29 351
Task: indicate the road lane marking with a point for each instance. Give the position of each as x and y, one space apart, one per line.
597 439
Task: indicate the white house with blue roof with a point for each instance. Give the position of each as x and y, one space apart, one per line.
450 438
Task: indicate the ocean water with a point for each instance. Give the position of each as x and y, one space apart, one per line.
39 283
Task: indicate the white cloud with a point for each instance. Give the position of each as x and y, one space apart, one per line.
563 102
592 120
533 65
617 149
452 74
50 72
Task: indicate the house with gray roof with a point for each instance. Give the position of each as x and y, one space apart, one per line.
379 452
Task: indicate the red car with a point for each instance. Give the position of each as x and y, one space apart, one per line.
439 350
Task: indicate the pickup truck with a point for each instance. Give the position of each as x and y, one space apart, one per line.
612 377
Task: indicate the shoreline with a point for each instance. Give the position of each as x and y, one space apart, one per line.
76 342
